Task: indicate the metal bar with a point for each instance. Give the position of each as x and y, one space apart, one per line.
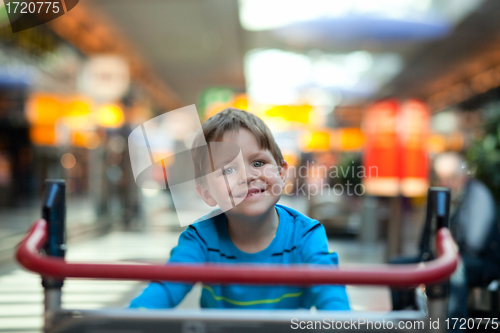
230 320
438 211
392 275
235 320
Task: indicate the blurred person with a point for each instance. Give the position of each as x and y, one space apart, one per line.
256 230
473 224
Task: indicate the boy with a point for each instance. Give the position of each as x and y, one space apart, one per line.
256 230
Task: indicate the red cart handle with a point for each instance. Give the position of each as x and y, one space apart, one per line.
392 275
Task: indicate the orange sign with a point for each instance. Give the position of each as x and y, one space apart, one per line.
48 114
347 139
318 140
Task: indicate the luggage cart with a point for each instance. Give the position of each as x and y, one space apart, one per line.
48 234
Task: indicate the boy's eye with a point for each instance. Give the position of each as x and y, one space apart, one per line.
228 171
257 164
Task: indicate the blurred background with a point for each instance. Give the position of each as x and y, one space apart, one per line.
346 87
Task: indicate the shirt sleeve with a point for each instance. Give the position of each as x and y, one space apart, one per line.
160 294
314 246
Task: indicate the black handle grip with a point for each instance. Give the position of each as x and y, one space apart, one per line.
438 214
54 212
438 206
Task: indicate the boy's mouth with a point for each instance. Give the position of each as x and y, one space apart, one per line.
252 192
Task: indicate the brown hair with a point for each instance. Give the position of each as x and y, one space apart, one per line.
228 120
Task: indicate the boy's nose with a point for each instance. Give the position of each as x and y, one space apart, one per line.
247 175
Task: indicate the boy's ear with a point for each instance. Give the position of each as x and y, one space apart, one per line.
205 195
283 172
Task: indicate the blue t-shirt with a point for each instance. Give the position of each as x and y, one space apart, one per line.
298 240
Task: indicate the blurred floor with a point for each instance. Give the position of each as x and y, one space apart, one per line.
21 294
15 222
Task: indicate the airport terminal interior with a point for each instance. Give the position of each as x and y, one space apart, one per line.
371 104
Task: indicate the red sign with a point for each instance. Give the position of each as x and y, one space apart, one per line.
395 156
381 149
413 135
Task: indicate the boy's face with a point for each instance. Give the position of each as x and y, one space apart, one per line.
249 186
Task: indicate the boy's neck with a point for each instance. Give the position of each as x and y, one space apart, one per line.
254 234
